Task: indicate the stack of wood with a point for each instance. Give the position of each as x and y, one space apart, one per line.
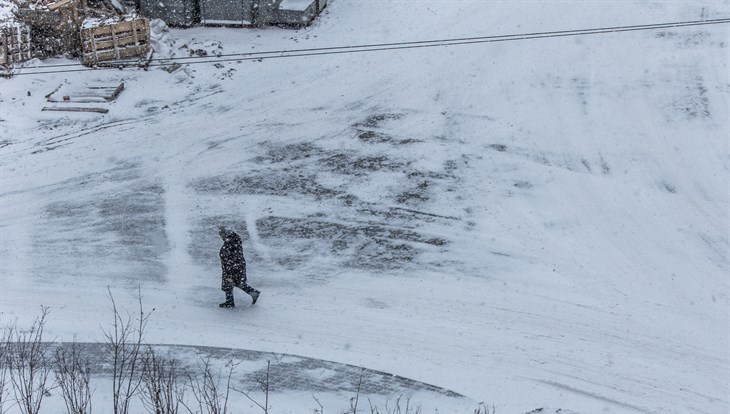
115 41
94 30
70 98
15 45
54 26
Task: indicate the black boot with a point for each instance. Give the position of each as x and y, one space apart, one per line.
254 296
229 301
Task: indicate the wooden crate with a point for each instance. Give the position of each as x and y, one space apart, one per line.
115 41
14 45
55 31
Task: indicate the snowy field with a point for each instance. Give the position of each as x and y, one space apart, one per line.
529 224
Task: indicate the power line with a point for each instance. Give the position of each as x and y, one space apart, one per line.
442 42
334 50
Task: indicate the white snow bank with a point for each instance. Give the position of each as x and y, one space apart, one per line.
295 5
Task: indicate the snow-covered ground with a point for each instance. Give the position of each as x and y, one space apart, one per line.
537 223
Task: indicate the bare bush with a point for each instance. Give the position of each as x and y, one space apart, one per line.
4 381
319 410
396 408
265 384
354 400
124 345
485 409
162 389
28 365
211 396
73 376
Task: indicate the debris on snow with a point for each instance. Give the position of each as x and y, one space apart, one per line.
75 109
86 94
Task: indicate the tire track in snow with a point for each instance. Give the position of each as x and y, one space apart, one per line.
595 396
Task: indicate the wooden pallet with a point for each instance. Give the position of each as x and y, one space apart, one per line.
116 41
85 94
14 45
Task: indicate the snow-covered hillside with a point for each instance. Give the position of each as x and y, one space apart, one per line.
536 223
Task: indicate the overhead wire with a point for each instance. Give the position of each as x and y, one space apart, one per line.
336 50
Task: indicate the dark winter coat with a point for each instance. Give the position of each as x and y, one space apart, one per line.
233 263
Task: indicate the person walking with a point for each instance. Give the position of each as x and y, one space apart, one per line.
233 266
